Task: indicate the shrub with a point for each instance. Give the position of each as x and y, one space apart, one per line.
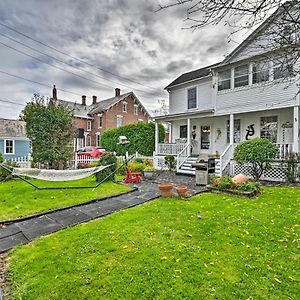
258 153
6 175
1 158
291 167
226 183
105 160
170 162
248 186
140 136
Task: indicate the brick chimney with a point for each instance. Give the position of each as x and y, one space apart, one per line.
94 99
54 93
117 92
83 100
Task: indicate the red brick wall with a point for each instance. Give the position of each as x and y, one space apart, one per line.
109 118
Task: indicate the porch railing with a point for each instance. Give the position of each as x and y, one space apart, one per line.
170 148
225 158
284 150
182 156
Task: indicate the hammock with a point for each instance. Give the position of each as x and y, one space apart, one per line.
57 175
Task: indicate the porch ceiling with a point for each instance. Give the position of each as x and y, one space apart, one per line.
190 114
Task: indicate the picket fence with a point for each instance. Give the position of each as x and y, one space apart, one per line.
22 161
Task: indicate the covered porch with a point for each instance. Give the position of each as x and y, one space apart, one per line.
192 134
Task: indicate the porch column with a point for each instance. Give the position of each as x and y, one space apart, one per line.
189 135
170 132
296 129
156 137
231 129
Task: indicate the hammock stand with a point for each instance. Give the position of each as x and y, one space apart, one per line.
65 187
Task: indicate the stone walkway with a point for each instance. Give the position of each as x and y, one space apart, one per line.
22 232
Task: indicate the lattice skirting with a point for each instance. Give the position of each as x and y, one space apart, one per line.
275 173
159 163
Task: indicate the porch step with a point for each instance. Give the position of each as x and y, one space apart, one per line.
187 168
181 171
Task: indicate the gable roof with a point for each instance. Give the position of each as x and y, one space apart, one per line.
13 129
86 111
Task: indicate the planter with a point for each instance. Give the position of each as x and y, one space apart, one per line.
166 189
182 191
148 174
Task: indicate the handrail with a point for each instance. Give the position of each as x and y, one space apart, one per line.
222 168
179 164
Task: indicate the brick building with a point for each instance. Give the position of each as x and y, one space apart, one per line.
91 120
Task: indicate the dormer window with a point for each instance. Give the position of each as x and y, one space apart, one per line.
224 80
192 98
241 76
124 106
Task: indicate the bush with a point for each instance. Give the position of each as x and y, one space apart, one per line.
105 160
248 187
170 162
140 136
291 167
6 175
226 183
258 153
1 158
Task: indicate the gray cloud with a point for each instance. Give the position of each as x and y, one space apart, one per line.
123 37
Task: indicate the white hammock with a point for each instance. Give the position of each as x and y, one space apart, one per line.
57 175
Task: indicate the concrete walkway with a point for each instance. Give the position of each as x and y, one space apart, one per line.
22 232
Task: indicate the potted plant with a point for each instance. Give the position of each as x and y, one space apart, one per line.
149 172
166 189
182 191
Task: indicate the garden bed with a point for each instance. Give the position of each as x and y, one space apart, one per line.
249 194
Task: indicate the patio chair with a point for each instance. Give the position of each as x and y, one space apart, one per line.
132 177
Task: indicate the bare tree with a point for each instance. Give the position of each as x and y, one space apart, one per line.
278 21
163 108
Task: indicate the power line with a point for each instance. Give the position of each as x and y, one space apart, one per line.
75 58
11 102
36 82
68 64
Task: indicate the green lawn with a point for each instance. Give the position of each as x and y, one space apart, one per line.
208 247
18 199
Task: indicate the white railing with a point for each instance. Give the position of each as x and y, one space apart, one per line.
225 158
82 160
284 150
182 156
170 149
22 161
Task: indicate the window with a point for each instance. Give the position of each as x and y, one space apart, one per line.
98 139
9 147
183 131
236 131
268 128
88 141
205 137
192 98
124 106
99 121
241 76
261 72
136 109
89 125
224 80
119 121
283 70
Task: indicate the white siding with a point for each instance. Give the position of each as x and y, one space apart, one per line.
253 98
178 96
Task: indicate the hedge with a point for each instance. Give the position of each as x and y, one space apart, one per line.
141 138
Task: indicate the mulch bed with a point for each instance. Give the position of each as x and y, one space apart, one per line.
249 194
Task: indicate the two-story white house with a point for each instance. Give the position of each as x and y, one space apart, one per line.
214 108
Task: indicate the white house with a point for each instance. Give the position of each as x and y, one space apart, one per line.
214 108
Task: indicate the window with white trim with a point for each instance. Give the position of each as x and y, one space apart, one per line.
9 147
98 139
100 121
224 80
261 72
236 131
89 125
269 128
136 109
283 69
192 98
119 121
241 75
124 106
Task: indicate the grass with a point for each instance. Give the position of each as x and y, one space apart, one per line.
18 199
208 247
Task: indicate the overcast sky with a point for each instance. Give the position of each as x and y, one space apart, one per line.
125 38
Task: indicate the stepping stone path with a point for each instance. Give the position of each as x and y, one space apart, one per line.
22 232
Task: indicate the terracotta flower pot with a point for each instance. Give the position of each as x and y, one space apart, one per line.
166 189
182 191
